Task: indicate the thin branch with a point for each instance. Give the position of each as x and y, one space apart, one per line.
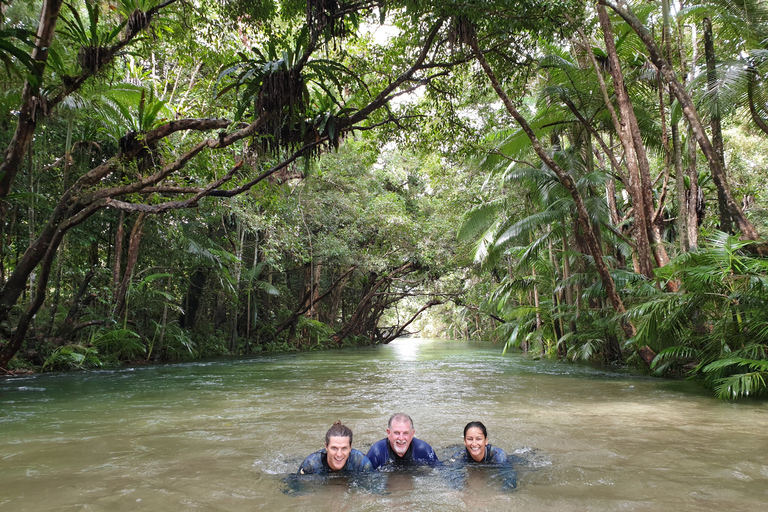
173 205
384 96
510 159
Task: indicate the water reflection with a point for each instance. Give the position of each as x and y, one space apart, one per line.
224 435
406 349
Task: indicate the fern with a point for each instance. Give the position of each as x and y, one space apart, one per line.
741 385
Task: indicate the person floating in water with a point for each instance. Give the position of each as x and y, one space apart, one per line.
400 447
338 454
478 451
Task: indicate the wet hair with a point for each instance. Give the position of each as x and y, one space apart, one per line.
400 416
338 430
475 424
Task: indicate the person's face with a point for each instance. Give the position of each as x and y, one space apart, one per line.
338 449
400 435
475 442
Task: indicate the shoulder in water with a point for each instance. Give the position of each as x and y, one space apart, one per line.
338 454
400 447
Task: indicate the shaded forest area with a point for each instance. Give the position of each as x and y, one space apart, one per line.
189 179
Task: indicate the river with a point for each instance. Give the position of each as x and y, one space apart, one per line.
224 435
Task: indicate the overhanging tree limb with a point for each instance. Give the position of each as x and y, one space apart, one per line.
34 105
84 198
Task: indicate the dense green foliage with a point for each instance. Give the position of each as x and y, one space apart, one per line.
716 325
188 179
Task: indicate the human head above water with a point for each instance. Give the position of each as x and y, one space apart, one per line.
400 433
338 430
476 424
338 446
476 440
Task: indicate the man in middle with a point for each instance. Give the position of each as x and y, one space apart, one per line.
400 447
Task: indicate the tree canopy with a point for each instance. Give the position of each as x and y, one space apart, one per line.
184 179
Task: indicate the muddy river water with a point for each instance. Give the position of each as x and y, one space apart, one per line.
226 435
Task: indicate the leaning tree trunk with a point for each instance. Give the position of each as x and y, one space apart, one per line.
333 306
25 319
31 101
290 322
367 303
752 78
67 328
639 186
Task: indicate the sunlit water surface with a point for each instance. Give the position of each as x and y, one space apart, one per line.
225 435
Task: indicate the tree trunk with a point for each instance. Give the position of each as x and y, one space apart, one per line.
748 230
639 186
714 121
680 191
119 235
31 212
569 292
78 301
234 309
31 101
192 298
756 118
694 195
536 299
248 314
331 310
163 323
56 295
130 264
312 289
676 152
17 337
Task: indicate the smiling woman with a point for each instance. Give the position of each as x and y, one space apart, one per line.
337 455
478 451
477 447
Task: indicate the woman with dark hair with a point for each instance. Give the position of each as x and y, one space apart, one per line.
479 452
337 455
477 449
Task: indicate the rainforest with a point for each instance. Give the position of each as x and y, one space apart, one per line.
185 180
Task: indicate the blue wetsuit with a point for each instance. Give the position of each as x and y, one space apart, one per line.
318 463
419 452
493 455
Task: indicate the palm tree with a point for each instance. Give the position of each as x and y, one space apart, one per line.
538 298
